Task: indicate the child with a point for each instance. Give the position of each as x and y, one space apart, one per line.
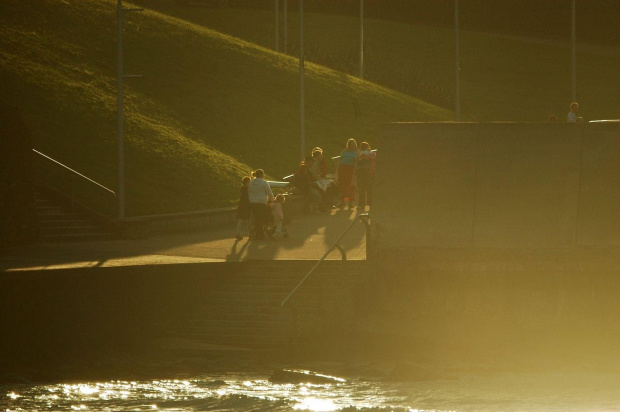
278 216
243 210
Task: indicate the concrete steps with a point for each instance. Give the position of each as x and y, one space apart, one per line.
245 310
58 224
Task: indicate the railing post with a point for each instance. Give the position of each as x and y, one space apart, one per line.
367 224
342 252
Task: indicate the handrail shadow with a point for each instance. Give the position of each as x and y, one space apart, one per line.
364 217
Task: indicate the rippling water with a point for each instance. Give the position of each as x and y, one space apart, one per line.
234 392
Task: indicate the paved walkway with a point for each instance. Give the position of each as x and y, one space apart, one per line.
309 238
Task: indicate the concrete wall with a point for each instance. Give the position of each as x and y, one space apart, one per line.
500 225
498 185
51 316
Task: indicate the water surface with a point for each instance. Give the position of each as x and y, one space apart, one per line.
254 392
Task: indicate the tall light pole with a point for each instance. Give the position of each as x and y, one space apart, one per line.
119 108
573 38
302 102
458 62
285 28
277 7
119 115
361 39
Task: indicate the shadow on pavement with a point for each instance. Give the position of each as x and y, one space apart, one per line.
309 238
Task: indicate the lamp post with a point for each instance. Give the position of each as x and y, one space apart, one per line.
457 62
573 53
285 28
361 39
120 108
277 7
302 103
119 116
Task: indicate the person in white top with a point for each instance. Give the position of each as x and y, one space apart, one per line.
259 192
572 115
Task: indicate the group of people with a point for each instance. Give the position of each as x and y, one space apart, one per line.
262 214
259 210
352 178
572 115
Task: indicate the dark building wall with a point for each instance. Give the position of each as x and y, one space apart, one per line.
50 316
17 219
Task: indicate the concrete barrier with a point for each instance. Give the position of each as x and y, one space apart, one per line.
505 224
492 185
50 316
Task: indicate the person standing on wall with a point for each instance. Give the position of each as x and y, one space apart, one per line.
259 192
572 114
318 170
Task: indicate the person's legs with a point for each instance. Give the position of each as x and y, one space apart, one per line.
248 222
314 199
369 192
277 233
345 179
239 226
258 212
252 224
362 189
332 196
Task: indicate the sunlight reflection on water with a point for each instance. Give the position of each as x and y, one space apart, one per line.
234 392
216 392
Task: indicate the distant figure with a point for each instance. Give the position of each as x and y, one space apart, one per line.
244 212
278 217
319 169
303 182
345 173
259 192
365 172
318 165
572 115
553 118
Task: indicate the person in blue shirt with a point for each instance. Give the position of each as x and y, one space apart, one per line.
345 173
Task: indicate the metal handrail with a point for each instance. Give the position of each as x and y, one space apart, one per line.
338 157
74 172
364 218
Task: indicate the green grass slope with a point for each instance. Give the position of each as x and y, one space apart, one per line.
502 79
208 110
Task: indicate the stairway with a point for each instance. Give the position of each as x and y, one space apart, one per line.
58 223
245 310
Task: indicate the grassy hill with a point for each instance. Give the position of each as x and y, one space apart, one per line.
502 78
208 110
